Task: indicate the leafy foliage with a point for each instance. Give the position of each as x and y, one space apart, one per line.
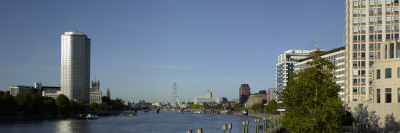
272 106
62 103
8 104
257 107
311 99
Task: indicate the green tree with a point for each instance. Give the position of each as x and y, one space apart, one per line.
257 107
106 99
219 106
62 103
50 105
272 106
30 103
117 104
8 105
311 99
94 106
104 106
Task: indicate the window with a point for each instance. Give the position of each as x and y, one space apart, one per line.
385 51
363 89
355 20
398 72
378 74
388 19
355 3
397 50
378 95
388 95
355 46
371 19
364 20
388 10
398 95
391 50
388 73
388 28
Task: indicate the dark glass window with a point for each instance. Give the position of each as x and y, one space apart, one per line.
378 95
378 74
388 95
388 73
391 50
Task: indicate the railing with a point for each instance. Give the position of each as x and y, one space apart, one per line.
270 124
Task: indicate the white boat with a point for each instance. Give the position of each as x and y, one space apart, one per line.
91 116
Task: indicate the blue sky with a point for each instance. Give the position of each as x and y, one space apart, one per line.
139 48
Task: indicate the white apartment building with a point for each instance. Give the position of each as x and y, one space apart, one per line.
286 62
337 57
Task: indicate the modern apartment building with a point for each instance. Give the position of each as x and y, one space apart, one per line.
75 66
369 23
286 62
337 57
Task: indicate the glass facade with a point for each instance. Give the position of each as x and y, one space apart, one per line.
75 66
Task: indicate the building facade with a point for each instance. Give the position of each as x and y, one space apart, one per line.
369 23
286 63
253 99
271 94
75 66
205 100
337 57
95 93
20 89
244 93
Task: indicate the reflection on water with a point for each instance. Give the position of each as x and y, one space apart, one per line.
71 126
64 126
151 122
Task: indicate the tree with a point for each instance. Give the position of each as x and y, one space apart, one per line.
8 105
94 106
106 99
311 99
62 103
50 105
257 107
30 103
272 106
117 104
218 107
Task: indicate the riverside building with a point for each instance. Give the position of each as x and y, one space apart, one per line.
286 63
337 57
75 66
369 23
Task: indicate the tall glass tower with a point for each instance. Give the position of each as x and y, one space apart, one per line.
75 66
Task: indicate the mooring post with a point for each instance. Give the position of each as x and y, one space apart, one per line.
256 120
188 131
243 124
224 127
264 125
247 126
199 130
229 127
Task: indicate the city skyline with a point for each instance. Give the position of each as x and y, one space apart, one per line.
140 48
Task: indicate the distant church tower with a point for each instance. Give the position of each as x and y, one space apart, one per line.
108 93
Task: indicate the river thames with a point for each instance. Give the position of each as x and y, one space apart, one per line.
151 122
